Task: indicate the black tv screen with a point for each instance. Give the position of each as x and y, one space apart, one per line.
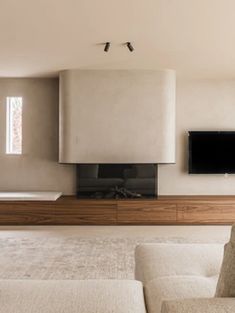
211 152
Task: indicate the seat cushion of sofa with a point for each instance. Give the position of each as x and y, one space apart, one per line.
83 296
210 305
156 260
177 287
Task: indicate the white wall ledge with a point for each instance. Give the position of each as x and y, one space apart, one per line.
30 196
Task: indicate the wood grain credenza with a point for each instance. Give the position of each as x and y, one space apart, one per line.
171 210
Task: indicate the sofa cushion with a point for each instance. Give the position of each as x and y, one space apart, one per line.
156 260
212 305
84 296
177 287
226 282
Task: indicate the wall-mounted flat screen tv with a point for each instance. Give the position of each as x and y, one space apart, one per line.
211 152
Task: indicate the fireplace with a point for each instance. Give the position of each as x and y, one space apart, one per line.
116 181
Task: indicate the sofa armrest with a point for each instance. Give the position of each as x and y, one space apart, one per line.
203 305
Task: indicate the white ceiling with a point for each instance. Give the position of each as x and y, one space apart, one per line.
195 37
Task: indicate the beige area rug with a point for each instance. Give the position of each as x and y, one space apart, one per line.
71 257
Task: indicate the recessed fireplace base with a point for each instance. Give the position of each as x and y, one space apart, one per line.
117 193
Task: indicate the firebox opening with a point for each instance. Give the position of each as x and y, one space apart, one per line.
116 181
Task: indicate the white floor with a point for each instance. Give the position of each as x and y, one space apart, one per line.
201 233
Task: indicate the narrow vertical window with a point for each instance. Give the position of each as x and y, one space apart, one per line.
14 125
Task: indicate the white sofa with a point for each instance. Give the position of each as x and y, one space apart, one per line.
174 272
175 278
71 296
201 305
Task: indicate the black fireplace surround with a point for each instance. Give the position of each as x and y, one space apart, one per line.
114 181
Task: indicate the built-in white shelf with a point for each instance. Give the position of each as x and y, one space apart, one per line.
30 196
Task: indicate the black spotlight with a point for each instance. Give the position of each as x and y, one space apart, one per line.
107 46
129 46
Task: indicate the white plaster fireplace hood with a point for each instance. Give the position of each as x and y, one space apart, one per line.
117 116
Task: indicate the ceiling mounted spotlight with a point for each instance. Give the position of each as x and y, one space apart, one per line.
107 46
129 46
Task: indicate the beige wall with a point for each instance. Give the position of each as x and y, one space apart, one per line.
37 168
200 105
